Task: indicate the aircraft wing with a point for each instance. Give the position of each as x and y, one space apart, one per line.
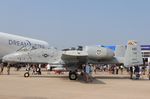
75 53
74 56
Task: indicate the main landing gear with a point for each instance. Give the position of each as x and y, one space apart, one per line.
73 75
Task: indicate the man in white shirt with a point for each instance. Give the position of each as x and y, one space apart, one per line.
48 67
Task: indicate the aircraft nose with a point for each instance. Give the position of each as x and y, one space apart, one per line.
9 58
6 58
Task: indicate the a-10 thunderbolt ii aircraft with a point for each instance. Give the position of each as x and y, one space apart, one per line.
73 59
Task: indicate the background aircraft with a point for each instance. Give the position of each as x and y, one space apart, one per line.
10 43
75 58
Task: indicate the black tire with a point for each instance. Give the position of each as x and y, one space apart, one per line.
72 75
26 74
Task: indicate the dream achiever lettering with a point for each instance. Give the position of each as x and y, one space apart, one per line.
18 43
24 43
38 46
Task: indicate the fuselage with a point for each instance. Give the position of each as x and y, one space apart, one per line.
10 43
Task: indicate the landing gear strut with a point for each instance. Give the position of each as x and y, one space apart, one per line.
73 75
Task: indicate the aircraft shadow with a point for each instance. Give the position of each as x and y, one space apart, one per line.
94 81
112 77
49 76
63 77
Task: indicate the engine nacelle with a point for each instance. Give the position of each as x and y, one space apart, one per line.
96 52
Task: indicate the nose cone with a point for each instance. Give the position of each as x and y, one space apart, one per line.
11 58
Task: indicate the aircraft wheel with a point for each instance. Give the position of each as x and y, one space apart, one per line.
26 74
72 76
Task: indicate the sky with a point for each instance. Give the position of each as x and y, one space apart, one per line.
68 23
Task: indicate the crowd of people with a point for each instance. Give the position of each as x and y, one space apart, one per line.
139 71
87 70
36 69
111 68
135 71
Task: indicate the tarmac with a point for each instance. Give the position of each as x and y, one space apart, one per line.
54 86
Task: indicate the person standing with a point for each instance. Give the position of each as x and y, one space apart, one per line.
33 69
131 72
87 72
38 69
91 72
113 69
149 71
104 67
8 69
136 71
2 68
117 69
94 68
121 68
83 72
28 67
48 67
